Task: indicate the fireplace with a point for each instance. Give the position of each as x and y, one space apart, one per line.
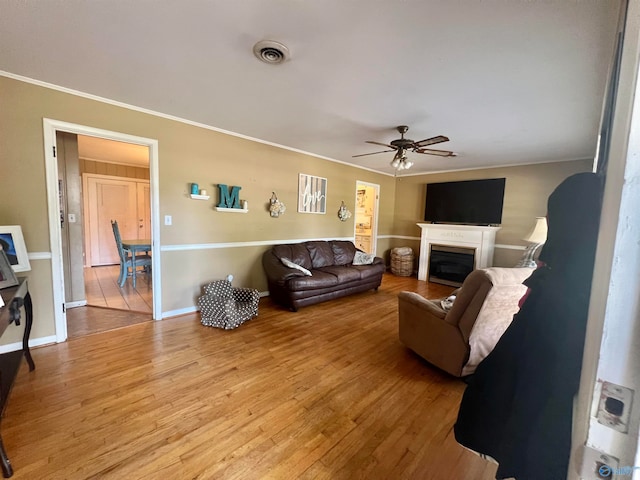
450 265
478 239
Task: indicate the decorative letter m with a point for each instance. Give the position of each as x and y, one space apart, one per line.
229 199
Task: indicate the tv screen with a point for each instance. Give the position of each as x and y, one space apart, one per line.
471 202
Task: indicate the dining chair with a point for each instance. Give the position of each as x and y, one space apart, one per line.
128 266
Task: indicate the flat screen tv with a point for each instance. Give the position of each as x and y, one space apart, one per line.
470 202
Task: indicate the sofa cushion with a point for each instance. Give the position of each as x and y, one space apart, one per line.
343 252
370 271
342 273
320 253
296 252
319 279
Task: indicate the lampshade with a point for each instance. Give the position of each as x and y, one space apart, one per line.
538 233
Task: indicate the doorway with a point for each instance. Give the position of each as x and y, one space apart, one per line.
102 180
366 216
51 128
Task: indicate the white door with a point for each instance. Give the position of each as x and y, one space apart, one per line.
112 198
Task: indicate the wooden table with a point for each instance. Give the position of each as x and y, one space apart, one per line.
14 299
136 246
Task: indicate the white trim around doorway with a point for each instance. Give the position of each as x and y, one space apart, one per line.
50 128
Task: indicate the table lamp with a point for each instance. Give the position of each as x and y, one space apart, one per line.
536 237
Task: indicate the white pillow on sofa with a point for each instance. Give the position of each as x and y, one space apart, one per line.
288 263
362 258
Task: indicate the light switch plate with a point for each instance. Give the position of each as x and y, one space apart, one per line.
72 218
167 219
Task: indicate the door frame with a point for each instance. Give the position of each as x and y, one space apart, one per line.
376 212
50 127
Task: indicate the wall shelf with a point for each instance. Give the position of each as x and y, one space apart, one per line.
200 197
234 210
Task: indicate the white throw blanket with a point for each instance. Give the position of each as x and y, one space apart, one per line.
495 315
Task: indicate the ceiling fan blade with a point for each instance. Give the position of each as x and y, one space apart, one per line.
383 144
440 153
430 141
373 153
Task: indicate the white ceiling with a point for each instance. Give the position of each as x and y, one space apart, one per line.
508 81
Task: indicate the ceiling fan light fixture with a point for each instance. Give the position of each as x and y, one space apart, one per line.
271 52
403 145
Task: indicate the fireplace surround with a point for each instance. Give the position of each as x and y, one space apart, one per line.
480 239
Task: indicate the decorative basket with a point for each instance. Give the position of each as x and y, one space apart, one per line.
402 261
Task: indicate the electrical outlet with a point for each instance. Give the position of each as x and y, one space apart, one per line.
614 407
167 219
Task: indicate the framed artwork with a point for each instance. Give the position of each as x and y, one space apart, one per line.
12 242
312 194
7 276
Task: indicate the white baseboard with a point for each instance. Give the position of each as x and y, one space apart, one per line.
33 342
80 303
180 311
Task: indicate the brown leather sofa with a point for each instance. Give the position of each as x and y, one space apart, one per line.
333 274
458 339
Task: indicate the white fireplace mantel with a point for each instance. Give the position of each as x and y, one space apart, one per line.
481 239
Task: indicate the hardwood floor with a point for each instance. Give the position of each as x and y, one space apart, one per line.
109 306
325 393
88 320
102 290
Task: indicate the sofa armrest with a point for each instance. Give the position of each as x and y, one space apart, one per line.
430 307
275 270
422 327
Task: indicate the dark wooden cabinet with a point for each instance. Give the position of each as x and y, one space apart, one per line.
15 300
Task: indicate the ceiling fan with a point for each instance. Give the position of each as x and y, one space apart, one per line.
402 145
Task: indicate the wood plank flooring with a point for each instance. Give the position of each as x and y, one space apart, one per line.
88 320
109 306
325 393
102 290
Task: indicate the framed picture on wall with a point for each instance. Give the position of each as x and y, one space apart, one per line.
312 194
7 276
12 242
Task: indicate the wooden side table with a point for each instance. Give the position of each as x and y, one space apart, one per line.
15 298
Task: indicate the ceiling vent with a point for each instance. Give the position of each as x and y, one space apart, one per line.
271 52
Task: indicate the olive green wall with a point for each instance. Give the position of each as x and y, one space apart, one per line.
203 244
187 153
526 190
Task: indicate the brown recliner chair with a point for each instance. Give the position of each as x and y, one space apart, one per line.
458 339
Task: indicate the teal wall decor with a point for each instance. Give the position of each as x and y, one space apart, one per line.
229 198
